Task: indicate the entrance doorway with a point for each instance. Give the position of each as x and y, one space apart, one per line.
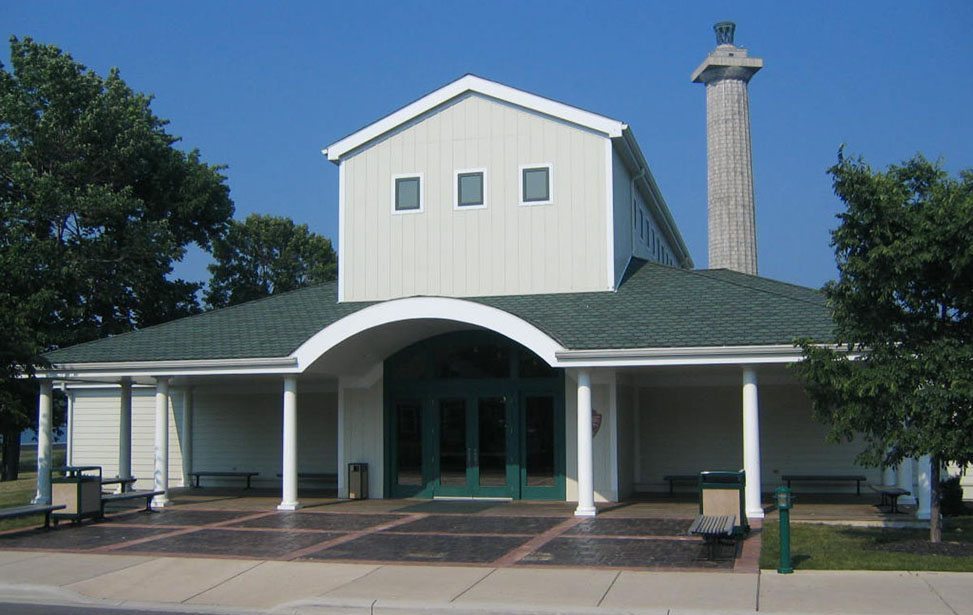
473 414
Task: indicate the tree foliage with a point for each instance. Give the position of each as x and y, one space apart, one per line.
265 255
904 301
96 204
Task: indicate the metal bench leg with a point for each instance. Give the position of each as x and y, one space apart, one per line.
858 487
248 482
47 520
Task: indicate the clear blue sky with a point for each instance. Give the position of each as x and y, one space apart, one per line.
263 87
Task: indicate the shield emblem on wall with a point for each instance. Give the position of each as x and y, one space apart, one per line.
595 422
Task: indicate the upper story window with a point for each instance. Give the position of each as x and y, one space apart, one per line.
407 193
470 189
537 184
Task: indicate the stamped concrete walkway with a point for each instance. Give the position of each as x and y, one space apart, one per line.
494 534
249 586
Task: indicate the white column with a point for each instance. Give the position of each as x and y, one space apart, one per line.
44 405
906 481
586 482
289 495
751 444
125 430
342 462
161 475
924 495
69 453
888 475
187 436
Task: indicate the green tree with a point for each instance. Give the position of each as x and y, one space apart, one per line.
902 304
265 255
96 203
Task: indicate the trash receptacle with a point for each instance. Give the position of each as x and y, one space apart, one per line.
79 490
357 481
723 493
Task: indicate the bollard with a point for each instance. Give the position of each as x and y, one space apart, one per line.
783 495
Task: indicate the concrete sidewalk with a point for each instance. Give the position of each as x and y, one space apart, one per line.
238 586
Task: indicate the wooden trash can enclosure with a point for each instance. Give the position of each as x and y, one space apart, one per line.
79 490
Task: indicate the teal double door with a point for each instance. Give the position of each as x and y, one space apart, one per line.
476 441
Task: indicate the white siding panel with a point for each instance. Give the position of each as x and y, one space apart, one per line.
684 430
96 413
243 432
504 248
602 456
231 431
364 433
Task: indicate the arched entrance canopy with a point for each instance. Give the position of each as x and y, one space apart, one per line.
428 308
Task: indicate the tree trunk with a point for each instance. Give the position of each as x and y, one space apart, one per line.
10 461
935 525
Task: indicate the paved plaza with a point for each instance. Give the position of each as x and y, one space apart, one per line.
397 532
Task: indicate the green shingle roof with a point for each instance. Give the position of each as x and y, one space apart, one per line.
655 307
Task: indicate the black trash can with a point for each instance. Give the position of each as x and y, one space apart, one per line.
357 481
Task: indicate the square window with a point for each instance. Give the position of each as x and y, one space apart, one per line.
536 185
408 194
469 189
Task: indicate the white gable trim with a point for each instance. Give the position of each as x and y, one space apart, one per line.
426 308
472 83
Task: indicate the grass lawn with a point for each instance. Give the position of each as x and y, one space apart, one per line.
836 547
19 492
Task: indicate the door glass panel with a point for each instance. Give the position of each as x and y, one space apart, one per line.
539 419
492 451
408 438
452 442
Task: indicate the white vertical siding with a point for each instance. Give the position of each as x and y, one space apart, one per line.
244 431
637 232
95 433
364 433
626 425
602 454
503 248
685 430
232 431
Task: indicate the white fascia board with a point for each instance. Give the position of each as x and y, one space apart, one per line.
472 83
427 308
653 196
701 355
200 367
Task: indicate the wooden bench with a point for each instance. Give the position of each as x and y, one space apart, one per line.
681 478
126 483
246 475
890 496
712 529
129 495
30 510
826 478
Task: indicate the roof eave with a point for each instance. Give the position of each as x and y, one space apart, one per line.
471 83
695 355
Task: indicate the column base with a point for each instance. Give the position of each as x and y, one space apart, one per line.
585 511
923 515
160 501
37 499
907 500
755 514
288 506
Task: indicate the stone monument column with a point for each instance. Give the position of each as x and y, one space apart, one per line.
726 71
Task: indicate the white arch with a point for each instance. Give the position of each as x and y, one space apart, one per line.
428 308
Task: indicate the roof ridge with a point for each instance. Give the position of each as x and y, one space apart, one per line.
703 273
